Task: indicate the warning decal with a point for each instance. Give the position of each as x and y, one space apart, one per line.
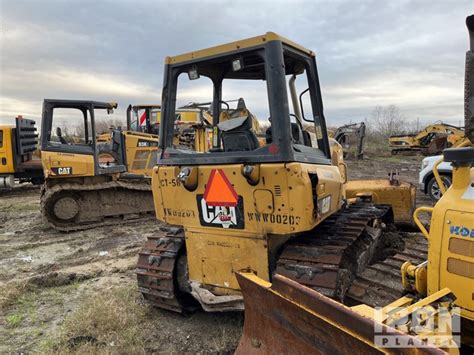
219 191
220 206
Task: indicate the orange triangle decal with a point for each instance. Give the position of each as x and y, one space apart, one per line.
219 190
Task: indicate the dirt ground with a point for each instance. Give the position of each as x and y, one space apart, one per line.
57 290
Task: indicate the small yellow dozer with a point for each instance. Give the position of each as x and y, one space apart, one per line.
277 205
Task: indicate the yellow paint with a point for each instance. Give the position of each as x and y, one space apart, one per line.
415 141
140 159
235 46
414 272
216 257
185 116
453 210
7 151
400 197
280 203
172 198
440 182
418 222
82 165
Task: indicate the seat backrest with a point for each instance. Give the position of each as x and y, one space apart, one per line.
118 147
237 135
297 133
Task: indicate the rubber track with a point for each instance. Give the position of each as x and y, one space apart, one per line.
381 283
122 217
327 258
156 268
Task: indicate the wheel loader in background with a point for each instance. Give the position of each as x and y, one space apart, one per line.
272 207
17 147
429 141
436 311
81 190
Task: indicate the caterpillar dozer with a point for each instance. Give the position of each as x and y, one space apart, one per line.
18 144
140 120
81 189
431 140
272 207
431 309
190 130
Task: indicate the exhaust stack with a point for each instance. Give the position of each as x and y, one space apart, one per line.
469 83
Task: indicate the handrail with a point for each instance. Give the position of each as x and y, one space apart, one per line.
418 222
440 182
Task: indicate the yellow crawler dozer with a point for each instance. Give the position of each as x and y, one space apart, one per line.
271 206
82 189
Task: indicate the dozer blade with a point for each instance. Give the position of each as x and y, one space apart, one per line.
288 318
398 194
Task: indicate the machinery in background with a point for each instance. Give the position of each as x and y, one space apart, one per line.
276 206
286 312
430 141
351 137
17 146
139 120
144 118
81 190
197 133
436 291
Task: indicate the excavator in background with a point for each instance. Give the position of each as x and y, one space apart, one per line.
17 147
277 206
429 141
349 135
430 309
81 190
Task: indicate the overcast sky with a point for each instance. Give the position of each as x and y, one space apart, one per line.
407 53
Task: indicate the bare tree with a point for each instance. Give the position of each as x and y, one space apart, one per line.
387 121
104 124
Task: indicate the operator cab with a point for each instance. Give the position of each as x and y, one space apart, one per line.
143 118
279 82
69 126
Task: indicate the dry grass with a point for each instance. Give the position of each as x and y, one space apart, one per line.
377 147
116 322
110 322
11 292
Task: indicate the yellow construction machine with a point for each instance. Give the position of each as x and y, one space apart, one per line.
81 189
272 207
194 128
435 309
139 120
429 141
435 312
17 146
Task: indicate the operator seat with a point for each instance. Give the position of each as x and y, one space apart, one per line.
298 136
59 134
237 135
297 133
